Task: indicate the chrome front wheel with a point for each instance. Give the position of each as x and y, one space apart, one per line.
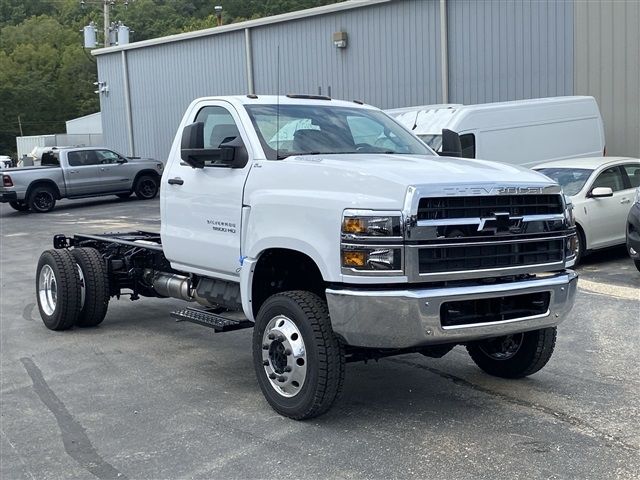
284 356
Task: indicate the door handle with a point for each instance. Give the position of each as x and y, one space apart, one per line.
73 171
175 181
625 200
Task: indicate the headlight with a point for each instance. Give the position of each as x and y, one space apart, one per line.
371 242
371 258
356 223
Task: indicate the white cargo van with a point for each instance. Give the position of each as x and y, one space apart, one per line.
525 132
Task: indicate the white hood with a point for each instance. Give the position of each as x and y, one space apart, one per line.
411 170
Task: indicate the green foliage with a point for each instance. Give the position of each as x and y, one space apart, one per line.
46 77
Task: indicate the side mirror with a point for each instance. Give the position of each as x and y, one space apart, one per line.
451 146
230 154
121 160
601 192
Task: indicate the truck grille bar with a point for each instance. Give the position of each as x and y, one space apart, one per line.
453 258
439 208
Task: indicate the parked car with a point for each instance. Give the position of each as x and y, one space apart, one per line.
524 132
351 242
79 173
601 190
633 231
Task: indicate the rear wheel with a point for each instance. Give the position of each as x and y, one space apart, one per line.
299 361
42 199
94 282
637 264
20 206
146 187
514 356
57 289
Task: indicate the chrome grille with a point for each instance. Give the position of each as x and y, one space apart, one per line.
471 232
479 256
441 208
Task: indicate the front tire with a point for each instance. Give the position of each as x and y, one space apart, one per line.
42 199
20 206
95 286
299 362
581 248
146 187
637 264
514 356
57 289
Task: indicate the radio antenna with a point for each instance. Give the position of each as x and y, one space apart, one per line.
278 104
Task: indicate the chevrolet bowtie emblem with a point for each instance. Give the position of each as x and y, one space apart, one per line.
501 222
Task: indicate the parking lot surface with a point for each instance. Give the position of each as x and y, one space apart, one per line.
145 397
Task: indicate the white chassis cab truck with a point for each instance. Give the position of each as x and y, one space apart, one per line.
337 236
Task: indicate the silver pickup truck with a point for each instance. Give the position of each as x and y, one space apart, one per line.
79 173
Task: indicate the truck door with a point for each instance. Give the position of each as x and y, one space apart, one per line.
202 208
116 174
83 177
608 215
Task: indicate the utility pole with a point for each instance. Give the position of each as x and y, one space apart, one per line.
107 23
20 125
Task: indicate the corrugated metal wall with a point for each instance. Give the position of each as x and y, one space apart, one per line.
163 80
498 50
392 58
112 105
509 50
607 66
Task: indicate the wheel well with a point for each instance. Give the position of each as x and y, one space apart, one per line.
42 183
584 236
153 173
279 270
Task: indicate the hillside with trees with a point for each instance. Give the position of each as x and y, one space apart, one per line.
46 76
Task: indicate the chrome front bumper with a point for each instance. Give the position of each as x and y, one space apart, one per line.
402 318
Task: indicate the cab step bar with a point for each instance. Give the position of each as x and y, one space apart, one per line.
208 318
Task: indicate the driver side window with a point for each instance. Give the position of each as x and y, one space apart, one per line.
107 157
219 126
611 177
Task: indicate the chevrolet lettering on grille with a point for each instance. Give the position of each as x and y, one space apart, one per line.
493 190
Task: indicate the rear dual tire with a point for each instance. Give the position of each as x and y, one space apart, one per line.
72 288
95 285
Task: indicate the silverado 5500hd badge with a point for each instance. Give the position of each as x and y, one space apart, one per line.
223 227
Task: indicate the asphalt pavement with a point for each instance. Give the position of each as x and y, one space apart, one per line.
144 397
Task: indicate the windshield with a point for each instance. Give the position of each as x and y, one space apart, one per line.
570 179
434 141
313 130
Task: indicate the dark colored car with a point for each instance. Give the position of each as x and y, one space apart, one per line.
633 231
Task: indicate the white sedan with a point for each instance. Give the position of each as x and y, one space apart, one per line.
602 190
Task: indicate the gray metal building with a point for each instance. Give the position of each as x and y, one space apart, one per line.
398 53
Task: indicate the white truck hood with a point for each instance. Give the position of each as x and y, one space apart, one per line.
411 170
